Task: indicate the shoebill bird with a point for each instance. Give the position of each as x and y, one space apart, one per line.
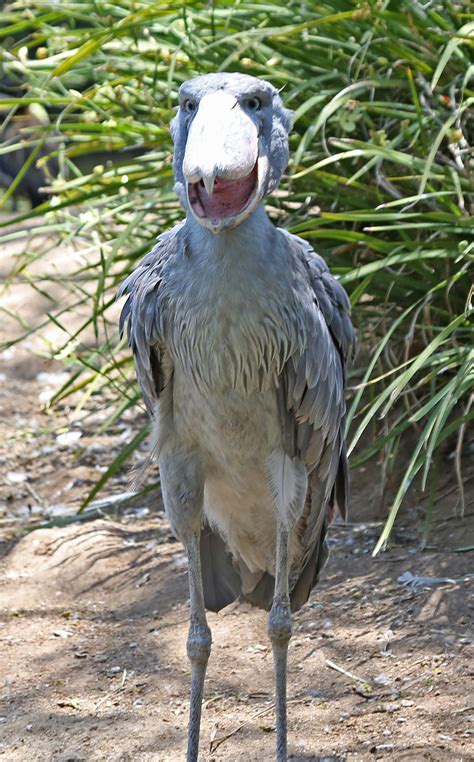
241 338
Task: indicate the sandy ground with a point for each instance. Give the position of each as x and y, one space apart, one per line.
93 615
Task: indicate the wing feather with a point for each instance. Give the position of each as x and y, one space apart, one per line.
312 415
314 377
142 314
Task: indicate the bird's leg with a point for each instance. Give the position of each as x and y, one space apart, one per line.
279 630
182 484
199 646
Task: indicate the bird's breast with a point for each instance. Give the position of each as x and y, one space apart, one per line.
229 343
233 317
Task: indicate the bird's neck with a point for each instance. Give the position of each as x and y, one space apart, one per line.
253 234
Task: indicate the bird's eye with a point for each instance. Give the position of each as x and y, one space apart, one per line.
189 106
253 103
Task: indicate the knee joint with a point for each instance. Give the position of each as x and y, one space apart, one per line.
279 622
199 643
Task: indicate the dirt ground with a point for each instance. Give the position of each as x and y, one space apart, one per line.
93 614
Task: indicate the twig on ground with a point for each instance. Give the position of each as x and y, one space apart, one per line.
467 708
34 494
218 741
112 693
346 672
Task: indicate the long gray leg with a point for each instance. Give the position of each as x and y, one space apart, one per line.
199 646
279 630
182 485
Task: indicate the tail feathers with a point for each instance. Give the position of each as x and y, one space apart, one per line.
262 594
222 583
310 573
341 486
220 579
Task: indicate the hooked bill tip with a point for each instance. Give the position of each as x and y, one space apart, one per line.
209 181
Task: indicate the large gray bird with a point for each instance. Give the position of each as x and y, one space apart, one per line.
241 338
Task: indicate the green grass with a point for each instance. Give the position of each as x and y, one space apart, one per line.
380 180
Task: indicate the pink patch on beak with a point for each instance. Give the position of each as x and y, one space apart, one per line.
228 198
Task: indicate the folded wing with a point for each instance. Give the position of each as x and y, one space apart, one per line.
312 410
143 317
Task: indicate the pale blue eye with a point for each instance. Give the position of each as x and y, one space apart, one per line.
253 103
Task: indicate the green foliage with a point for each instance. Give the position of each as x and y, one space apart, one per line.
380 180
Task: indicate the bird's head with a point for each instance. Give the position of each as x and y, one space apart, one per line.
231 146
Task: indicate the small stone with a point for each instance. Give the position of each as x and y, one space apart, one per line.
68 438
16 477
382 679
389 706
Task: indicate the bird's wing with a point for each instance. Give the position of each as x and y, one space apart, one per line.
143 315
312 406
311 386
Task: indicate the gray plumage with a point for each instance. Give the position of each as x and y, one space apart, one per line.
241 338
302 347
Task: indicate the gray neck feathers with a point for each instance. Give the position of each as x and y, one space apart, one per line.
249 239
235 331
